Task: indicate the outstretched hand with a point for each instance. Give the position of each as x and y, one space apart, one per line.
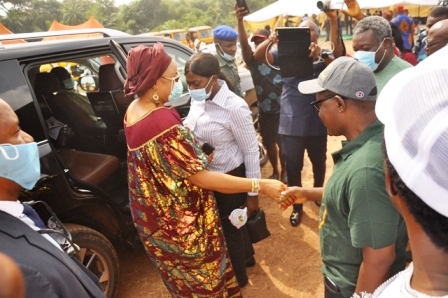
353 9
273 189
294 195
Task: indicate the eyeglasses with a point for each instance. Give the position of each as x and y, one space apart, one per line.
430 44
316 104
175 79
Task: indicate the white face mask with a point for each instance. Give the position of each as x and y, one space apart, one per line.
224 55
20 163
200 94
368 58
176 91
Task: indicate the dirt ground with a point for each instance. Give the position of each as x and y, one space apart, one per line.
288 262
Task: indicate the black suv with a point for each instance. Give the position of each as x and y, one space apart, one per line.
82 156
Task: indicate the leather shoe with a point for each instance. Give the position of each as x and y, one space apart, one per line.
251 262
295 218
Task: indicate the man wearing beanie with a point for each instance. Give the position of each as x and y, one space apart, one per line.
362 236
225 38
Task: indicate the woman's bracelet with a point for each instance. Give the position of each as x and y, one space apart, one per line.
255 185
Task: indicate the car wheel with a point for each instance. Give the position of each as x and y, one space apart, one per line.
98 255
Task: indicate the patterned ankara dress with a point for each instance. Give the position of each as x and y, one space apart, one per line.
177 221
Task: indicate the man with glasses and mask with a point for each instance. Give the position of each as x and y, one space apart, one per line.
362 236
225 39
437 37
48 271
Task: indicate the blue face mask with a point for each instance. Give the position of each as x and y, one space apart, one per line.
224 55
69 83
176 91
200 94
368 58
20 163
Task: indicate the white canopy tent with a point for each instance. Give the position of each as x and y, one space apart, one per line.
301 7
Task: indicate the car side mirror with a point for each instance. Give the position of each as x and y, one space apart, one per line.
89 83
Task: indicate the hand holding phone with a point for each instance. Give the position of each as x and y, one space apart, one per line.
243 4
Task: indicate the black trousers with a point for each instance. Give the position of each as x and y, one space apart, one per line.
238 241
293 151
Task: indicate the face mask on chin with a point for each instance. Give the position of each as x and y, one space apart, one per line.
20 163
224 55
176 91
368 58
201 94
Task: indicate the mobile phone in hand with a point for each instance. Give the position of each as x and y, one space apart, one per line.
242 4
207 148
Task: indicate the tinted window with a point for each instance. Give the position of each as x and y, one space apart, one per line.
15 91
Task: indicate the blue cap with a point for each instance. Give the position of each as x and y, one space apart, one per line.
226 33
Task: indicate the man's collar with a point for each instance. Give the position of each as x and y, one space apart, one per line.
221 97
348 147
14 208
223 62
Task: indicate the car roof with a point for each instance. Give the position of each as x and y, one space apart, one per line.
49 48
199 28
173 30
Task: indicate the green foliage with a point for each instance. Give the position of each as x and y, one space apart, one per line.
138 16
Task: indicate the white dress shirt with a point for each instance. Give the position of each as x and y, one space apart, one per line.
225 122
15 208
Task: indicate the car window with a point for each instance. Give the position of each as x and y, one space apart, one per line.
15 91
180 59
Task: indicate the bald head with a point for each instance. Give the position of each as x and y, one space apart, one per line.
10 131
314 29
437 37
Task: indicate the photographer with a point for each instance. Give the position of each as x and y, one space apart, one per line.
300 128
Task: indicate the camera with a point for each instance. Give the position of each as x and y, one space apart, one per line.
330 5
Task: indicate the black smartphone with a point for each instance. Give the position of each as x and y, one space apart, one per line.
207 148
242 3
293 52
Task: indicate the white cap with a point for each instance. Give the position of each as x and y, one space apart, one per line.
414 109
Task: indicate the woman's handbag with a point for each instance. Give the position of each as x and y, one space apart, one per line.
256 226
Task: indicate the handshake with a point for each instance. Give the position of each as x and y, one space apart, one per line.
287 196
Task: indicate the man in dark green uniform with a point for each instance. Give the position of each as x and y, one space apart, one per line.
362 236
225 39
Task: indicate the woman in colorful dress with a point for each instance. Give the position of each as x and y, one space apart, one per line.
171 197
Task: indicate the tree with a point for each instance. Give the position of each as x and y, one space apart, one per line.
74 13
16 20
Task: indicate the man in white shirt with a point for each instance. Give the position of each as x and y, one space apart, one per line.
48 271
414 111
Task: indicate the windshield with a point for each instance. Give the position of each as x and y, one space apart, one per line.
206 33
179 36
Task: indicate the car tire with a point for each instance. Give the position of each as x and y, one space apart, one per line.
98 255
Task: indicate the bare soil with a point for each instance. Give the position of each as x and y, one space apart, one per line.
288 262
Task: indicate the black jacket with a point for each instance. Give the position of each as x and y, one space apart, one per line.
48 271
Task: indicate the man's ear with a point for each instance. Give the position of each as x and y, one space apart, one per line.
390 188
341 103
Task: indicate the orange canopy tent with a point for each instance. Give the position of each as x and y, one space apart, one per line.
91 23
4 30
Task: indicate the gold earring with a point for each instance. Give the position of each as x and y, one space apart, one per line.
155 97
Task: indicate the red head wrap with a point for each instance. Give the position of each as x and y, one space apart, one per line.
145 66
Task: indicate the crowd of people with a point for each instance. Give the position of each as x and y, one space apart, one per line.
186 177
